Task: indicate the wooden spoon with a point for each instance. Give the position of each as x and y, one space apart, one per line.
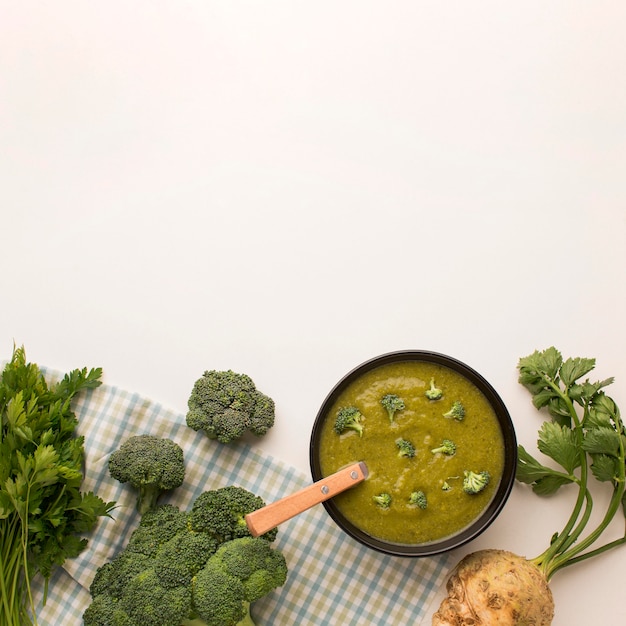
264 519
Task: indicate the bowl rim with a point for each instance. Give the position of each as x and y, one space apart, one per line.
493 509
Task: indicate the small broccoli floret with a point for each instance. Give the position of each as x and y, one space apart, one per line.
447 447
226 404
405 448
349 418
221 513
150 464
457 411
446 486
382 500
433 393
475 482
392 404
418 498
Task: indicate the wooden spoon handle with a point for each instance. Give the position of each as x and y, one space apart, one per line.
264 519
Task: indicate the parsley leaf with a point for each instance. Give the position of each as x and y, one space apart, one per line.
573 369
587 438
544 480
559 443
43 513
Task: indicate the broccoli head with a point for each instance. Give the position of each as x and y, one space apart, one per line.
433 392
150 464
178 560
174 574
128 592
218 597
226 404
447 447
392 403
106 611
349 418
382 500
475 482
405 448
418 498
222 512
112 578
157 526
255 563
240 572
147 602
457 411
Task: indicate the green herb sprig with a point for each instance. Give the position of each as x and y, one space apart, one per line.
586 438
43 513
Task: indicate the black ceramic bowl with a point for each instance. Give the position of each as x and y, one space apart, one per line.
503 490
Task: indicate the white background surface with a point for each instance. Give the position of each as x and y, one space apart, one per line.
290 188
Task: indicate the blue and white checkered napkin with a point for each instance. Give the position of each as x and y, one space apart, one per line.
332 578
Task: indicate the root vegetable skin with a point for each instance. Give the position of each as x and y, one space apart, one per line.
496 587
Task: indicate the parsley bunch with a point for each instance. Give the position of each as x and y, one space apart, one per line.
586 439
42 509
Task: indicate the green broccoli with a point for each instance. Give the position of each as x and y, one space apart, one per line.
419 499
349 418
128 592
446 486
253 562
382 500
447 447
241 571
147 601
405 448
457 411
156 527
105 610
219 598
392 404
475 482
112 578
221 513
433 393
226 405
150 464
170 573
178 560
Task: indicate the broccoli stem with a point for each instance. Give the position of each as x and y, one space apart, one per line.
247 619
147 497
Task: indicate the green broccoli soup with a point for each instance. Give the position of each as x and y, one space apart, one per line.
434 464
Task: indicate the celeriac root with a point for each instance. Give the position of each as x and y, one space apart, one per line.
496 587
